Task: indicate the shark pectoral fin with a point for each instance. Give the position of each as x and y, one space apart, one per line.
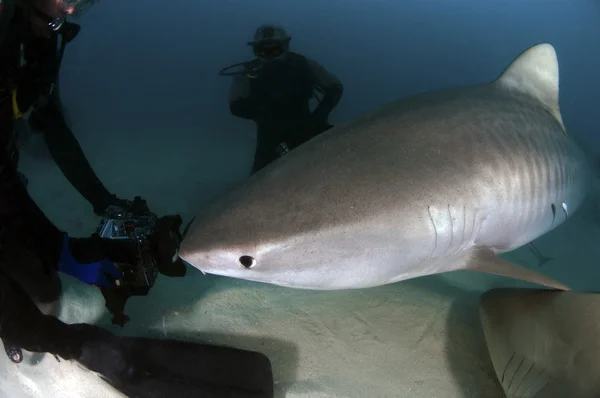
483 259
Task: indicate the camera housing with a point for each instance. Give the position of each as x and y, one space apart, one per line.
133 226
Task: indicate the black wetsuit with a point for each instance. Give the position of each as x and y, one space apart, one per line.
277 100
30 244
39 80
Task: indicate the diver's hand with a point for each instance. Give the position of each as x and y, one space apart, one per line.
87 260
165 241
102 273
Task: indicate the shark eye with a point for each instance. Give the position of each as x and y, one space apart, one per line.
247 261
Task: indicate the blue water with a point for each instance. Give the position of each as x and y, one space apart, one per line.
144 99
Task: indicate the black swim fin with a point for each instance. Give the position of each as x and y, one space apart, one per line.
167 368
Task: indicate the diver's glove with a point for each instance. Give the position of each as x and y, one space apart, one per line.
165 241
101 272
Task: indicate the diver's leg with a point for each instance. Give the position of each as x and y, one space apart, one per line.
260 161
265 153
42 286
160 368
303 135
22 221
24 325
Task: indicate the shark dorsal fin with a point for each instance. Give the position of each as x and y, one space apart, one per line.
535 73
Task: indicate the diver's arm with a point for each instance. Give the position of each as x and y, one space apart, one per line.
240 104
24 220
20 217
25 326
331 87
242 101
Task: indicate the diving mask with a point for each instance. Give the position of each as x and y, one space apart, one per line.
76 8
69 7
270 49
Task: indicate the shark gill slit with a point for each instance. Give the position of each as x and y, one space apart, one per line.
525 376
480 225
464 224
434 230
515 373
506 367
451 231
544 382
472 230
560 166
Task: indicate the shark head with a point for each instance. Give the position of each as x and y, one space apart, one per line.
233 243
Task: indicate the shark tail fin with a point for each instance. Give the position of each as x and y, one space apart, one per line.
483 259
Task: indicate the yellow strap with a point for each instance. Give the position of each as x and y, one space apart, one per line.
16 112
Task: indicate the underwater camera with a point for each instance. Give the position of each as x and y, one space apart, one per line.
132 225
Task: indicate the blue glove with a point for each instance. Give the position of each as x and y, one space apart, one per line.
95 273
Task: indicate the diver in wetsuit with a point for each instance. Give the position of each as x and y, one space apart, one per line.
33 250
41 95
275 91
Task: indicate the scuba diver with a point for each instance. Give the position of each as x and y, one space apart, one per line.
41 96
274 91
33 251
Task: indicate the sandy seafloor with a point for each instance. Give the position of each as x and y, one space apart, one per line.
417 339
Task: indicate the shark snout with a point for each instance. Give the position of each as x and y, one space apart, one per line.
223 261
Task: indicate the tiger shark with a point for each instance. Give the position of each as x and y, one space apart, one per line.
543 344
438 182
